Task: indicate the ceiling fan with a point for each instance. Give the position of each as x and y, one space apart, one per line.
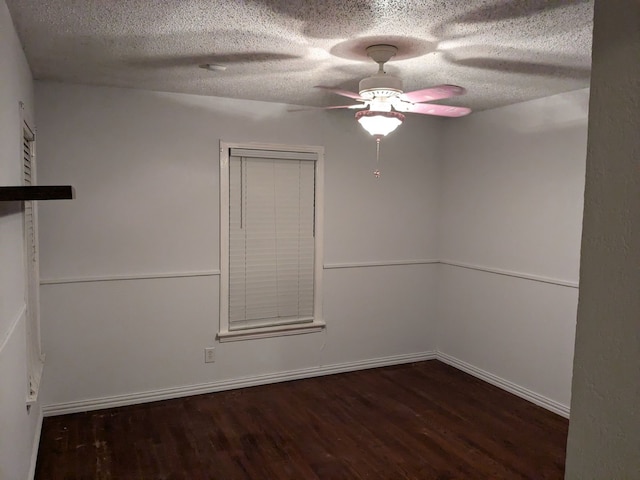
383 102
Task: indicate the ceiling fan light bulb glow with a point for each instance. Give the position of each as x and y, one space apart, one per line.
379 124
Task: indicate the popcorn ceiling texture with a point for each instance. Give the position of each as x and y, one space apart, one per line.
502 51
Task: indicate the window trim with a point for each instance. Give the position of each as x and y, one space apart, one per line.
318 324
35 356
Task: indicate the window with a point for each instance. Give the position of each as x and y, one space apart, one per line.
35 359
271 240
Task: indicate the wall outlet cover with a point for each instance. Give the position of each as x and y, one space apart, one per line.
209 355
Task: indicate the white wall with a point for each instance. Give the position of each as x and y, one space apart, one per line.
145 167
604 433
512 187
18 428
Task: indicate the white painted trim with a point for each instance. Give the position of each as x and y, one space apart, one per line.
318 244
12 326
142 276
224 331
510 273
187 390
35 446
223 291
328 266
390 263
35 376
284 147
212 273
268 332
533 397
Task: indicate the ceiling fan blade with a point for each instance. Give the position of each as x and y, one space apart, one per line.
354 106
433 93
333 107
438 110
339 91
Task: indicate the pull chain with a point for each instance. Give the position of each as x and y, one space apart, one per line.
376 172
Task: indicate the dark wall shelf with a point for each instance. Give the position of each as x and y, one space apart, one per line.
51 192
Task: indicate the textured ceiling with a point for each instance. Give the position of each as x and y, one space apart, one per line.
502 51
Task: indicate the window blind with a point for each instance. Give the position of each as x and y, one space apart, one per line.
271 238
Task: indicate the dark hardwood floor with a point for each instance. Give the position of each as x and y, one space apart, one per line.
419 421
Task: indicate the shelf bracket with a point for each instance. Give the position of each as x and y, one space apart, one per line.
48 192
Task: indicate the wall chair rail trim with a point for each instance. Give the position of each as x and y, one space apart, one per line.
511 273
384 263
141 276
327 266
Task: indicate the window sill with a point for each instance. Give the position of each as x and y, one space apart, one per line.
267 332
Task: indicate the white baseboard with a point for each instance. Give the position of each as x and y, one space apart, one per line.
187 390
35 446
533 397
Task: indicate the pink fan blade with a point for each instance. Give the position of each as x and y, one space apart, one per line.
439 110
355 106
434 93
339 91
333 107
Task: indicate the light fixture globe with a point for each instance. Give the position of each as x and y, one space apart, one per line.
379 124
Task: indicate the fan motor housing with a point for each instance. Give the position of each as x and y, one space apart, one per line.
380 85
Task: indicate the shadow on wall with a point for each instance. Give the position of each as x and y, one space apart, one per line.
256 121
230 108
10 208
563 111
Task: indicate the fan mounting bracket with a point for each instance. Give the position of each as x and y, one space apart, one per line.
381 53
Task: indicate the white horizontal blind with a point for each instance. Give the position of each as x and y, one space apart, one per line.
34 359
271 238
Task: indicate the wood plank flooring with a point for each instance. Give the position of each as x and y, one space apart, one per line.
419 421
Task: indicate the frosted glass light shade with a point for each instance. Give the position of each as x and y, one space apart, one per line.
379 124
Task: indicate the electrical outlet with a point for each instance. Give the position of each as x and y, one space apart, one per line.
209 355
